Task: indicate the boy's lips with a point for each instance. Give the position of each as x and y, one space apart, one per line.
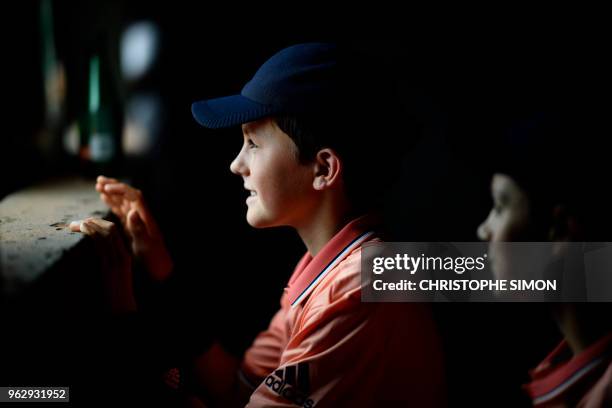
252 194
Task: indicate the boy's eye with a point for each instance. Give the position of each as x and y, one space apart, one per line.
497 209
251 143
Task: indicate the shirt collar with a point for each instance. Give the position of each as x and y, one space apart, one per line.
309 271
550 379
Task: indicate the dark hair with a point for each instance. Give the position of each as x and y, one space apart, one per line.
371 151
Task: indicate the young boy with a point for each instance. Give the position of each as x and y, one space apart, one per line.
548 174
321 141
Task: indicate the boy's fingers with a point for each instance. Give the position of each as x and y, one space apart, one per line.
75 226
103 245
95 227
103 224
108 229
108 244
86 229
130 193
135 224
125 196
105 230
104 179
125 206
83 226
116 188
101 181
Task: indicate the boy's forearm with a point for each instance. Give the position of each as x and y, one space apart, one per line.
159 265
216 376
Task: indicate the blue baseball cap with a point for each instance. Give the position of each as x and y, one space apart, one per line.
302 78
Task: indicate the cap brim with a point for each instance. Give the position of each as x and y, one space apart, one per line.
228 111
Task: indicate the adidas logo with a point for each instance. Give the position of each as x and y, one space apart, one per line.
292 383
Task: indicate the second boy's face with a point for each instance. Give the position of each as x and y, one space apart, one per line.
280 189
509 217
508 221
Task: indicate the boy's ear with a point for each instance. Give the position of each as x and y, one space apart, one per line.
327 169
564 226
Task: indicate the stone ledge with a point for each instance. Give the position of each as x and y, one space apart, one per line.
34 232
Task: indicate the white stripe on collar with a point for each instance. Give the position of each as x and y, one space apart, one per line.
355 243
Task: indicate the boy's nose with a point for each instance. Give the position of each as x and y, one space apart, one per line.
483 232
234 166
237 165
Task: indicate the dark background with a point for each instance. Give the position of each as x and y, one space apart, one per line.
231 275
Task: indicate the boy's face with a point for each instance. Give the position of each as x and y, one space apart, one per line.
509 217
507 221
280 188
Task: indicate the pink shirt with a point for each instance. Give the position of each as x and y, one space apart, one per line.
324 347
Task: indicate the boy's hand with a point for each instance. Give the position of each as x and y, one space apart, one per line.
147 244
115 260
172 378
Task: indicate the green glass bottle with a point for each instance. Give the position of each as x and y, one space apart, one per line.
102 129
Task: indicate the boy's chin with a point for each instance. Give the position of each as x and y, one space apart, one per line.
256 221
